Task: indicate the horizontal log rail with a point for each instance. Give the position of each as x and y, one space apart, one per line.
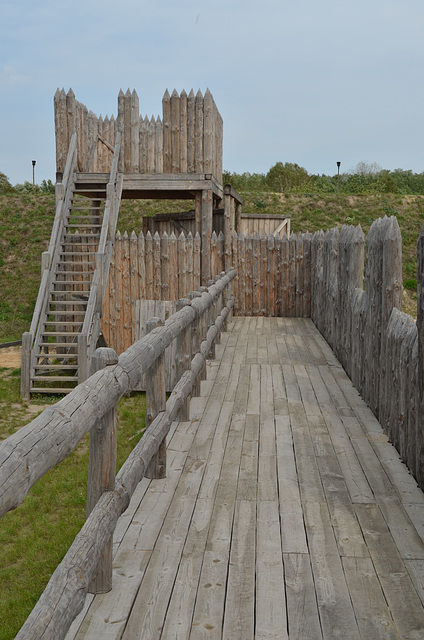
39 446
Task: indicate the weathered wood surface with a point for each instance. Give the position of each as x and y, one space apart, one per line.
274 276
379 346
285 512
188 138
64 595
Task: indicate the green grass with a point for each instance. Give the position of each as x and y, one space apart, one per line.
26 221
35 536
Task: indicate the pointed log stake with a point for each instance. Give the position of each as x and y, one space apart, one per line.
166 124
155 403
102 470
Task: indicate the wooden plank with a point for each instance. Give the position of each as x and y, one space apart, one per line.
183 132
334 603
302 610
175 131
292 524
372 613
166 132
209 609
396 583
239 616
271 615
191 123
198 133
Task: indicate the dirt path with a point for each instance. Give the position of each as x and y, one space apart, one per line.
11 357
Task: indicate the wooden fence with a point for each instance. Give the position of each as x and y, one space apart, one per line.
187 139
273 276
91 407
380 347
245 223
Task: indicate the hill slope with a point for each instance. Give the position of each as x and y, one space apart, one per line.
26 222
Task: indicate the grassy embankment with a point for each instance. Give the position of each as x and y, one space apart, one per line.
34 538
26 221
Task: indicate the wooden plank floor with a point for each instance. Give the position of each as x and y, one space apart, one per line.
285 512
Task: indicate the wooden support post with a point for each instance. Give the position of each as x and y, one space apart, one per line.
228 227
183 357
238 217
155 403
197 212
207 214
195 342
26 365
102 469
82 358
212 315
203 329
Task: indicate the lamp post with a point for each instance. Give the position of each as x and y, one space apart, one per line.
33 173
338 175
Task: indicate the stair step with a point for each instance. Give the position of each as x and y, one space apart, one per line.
84 226
50 334
56 367
81 282
79 253
81 300
51 390
54 323
58 356
68 302
75 240
74 273
65 313
67 345
84 207
55 378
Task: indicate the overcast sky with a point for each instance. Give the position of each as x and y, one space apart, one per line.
306 81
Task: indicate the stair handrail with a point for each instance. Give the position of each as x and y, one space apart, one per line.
48 259
91 328
62 190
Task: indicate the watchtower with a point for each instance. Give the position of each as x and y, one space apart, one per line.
99 161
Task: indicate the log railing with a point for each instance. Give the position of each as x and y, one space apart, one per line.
36 448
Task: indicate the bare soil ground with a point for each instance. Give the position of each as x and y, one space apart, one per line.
10 357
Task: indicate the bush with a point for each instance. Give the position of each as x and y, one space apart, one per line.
5 186
410 284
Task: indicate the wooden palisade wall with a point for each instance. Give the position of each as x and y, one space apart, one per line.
273 276
377 344
187 139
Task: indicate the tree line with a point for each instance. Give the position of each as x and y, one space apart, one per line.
365 178
289 177
46 186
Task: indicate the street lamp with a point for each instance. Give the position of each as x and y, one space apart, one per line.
33 173
338 175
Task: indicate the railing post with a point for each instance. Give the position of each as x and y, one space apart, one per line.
195 342
26 365
155 403
183 356
203 329
212 315
102 469
82 358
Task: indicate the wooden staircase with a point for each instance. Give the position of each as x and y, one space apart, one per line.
56 352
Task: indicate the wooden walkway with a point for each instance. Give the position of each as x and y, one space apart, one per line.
285 512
